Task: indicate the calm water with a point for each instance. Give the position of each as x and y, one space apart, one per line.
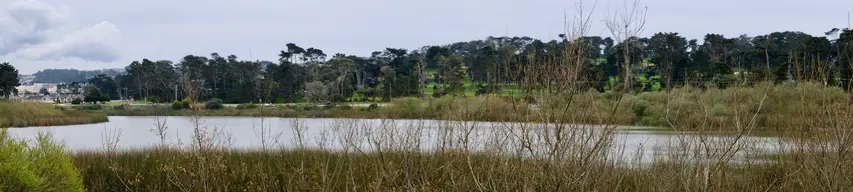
371 135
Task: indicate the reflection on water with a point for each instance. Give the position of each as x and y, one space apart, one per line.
362 135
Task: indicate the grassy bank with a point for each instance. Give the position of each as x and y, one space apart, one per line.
773 106
29 114
169 170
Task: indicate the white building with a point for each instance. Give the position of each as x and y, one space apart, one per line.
35 88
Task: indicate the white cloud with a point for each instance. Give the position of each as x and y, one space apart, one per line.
96 43
32 31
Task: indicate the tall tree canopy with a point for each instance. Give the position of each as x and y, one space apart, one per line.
8 80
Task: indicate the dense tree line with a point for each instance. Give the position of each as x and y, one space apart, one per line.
660 62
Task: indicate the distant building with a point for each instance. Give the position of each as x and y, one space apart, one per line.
35 89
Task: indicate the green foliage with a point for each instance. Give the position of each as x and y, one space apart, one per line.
77 101
214 104
372 107
178 105
43 167
106 85
663 61
8 80
186 103
121 107
451 72
94 95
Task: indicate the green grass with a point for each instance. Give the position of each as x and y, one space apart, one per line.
29 114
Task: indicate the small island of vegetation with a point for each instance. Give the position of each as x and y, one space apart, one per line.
33 114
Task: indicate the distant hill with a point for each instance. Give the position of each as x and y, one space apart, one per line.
71 75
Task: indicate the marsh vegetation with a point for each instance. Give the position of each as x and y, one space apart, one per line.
560 134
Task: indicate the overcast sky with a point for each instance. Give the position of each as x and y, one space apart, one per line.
97 34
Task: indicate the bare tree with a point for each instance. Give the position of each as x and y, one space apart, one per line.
624 24
317 91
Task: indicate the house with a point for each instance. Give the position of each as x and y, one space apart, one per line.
35 89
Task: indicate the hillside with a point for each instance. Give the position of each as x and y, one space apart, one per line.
71 75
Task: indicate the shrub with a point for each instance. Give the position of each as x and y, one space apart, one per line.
105 98
120 107
338 98
43 167
328 105
372 107
482 89
214 104
178 105
639 110
77 101
187 103
91 99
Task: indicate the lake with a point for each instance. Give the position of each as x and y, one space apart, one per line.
365 135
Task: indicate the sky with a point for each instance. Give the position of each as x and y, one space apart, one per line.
98 34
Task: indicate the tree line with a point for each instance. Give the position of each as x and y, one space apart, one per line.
660 62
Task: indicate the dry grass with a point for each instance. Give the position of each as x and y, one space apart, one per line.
29 114
461 156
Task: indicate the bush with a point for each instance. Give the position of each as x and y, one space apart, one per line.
328 105
77 101
178 105
247 106
482 89
120 107
187 103
43 167
372 107
91 99
338 98
214 104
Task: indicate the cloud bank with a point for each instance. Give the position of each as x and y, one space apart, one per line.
36 35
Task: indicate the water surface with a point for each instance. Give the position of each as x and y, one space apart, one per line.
365 135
